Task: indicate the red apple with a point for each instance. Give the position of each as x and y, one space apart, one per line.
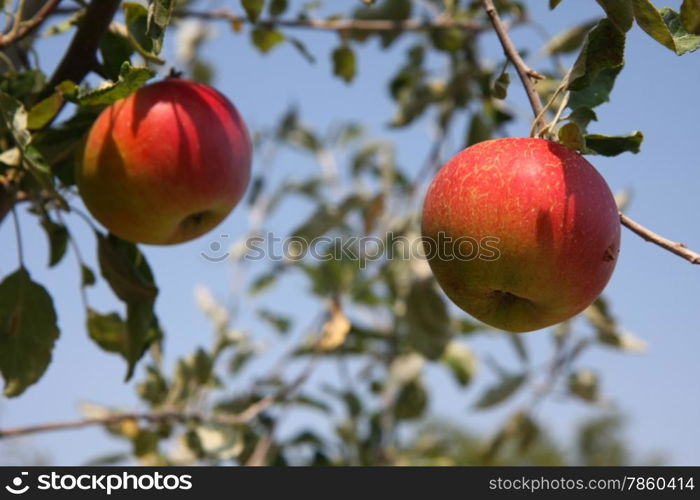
166 164
545 224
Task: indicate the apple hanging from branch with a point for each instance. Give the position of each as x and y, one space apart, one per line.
549 213
167 164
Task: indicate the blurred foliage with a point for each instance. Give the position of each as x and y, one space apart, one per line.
380 320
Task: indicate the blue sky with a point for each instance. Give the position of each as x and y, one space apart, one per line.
655 294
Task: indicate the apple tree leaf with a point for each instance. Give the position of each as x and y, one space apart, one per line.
613 145
277 7
690 16
461 362
159 15
502 390
411 401
603 49
620 12
665 26
136 17
253 8
597 92
130 80
500 86
570 136
570 39
130 277
28 331
115 50
266 39
428 320
344 63
584 385
58 239
125 268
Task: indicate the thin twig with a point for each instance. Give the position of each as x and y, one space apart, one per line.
672 246
322 24
241 418
23 28
525 73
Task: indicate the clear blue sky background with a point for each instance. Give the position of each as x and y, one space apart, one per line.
655 294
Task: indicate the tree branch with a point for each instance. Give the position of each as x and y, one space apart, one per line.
80 57
241 418
525 73
336 24
22 29
672 246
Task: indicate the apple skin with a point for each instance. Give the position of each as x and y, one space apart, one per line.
555 217
166 164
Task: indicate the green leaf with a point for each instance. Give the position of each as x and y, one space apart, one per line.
620 12
344 63
570 39
584 384
500 86
613 145
277 321
553 4
125 269
395 10
136 17
159 15
253 8
44 111
665 27
266 39
411 401
14 117
597 92
582 116
505 388
448 40
690 16
262 283
479 130
58 239
108 331
277 7
684 41
604 48
461 362
570 136
130 80
28 331
301 48
87 276
130 277
115 50
428 321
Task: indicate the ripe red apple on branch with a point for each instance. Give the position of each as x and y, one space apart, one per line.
166 164
555 220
